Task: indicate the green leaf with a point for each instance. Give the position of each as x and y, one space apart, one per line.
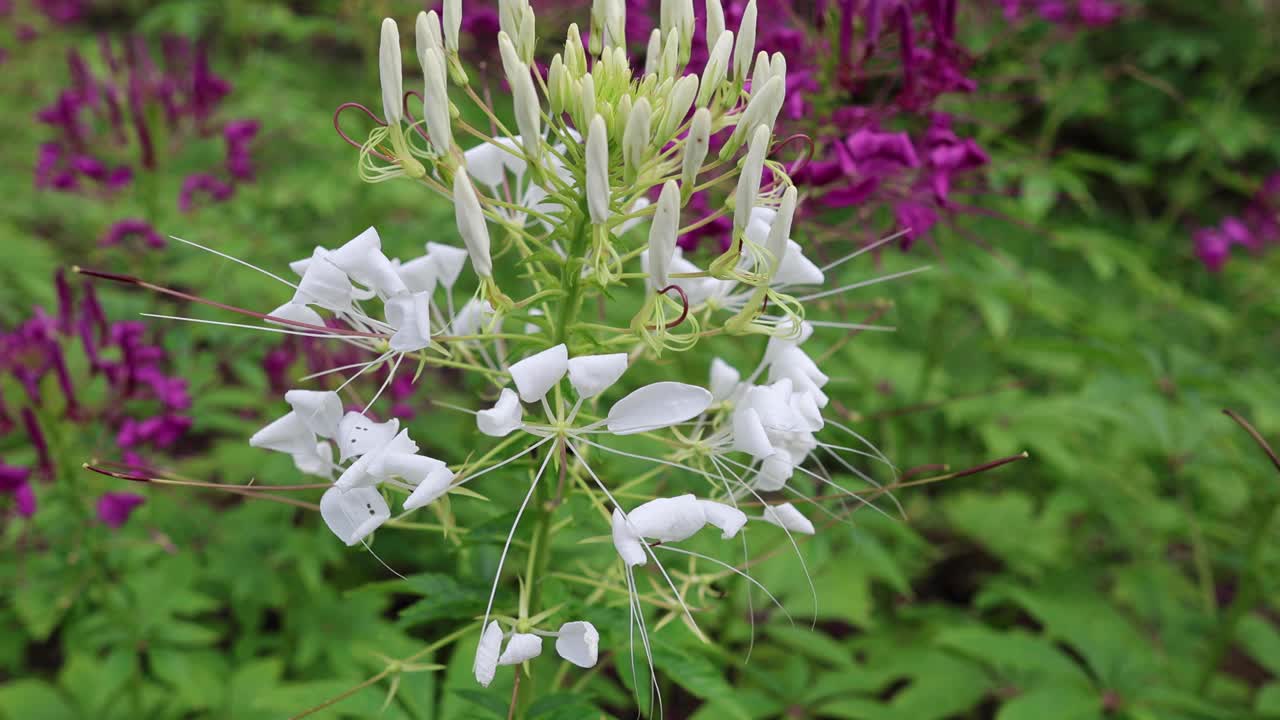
1039 194
1261 640
34 700
1059 703
694 672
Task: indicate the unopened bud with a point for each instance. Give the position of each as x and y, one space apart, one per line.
426 32
717 66
471 223
670 55
435 103
746 44
635 138
696 146
587 98
556 77
653 54
749 180
762 71
575 56
780 231
762 109
528 112
511 62
715 23
391 73
598 170
452 24
662 235
528 37
678 104
615 24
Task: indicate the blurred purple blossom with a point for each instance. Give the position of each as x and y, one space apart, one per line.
1255 229
114 508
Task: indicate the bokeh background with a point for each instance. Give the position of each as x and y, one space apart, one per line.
1095 185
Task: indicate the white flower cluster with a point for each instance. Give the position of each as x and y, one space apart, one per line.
597 139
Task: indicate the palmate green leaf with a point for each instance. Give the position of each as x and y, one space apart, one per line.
761 704
1261 640
96 682
1267 701
1016 656
197 678
690 669
34 700
1008 525
1070 702
563 706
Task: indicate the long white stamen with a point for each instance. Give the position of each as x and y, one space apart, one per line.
864 283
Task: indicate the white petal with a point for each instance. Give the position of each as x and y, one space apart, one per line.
357 474
325 285
318 462
300 266
449 262
749 435
805 406
796 269
287 434
537 374
358 435
626 542
431 488
472 318
659 405
486 663
729 519
419 274
724 379
362 260
353 514
503 418
489 164
320 410
521 647
786 516
668 519
579 643
410 315
591 375
774 472
296 312
410 467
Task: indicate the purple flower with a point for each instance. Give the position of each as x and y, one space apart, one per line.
131 227
36 436
1213 248
204 183
25 498
914 220
114 508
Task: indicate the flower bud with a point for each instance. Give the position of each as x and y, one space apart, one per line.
528 112
635 137
452 24
696 146
587 98
715 22
762 109
598 170
678 104
749 180
780 230
615 24
527 37
778 67
435 103
762 73
746 43
670 55
426 33
682 20
556 78
653 55
662 235
471 223
511 62
575 56
717 65
391 73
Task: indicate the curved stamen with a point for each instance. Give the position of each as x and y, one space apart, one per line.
684 307
337 126
413 122
804 159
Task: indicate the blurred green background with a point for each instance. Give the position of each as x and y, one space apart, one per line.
1127 569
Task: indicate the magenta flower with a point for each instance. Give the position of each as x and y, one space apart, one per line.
114 508
16 481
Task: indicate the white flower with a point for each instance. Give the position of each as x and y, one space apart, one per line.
410 315
520 647
486 663
724 380
656 406
591 375
324 284
362 260
503 418
353 514
319 410
358 435
538 373
448 261
786 516
579 643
